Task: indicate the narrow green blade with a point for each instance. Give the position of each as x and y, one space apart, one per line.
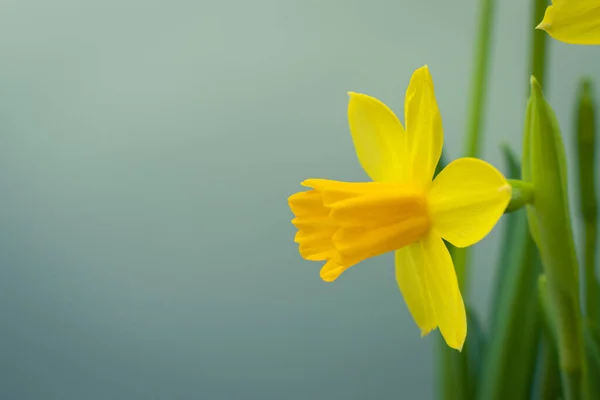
512 347
461 370
548 383
591 338
511 223
588 205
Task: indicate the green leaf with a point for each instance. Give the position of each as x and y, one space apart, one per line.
515 327
544 164
592 352
512 162
548 383
510 226
586 145
461 370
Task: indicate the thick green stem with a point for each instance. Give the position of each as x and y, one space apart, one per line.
522 194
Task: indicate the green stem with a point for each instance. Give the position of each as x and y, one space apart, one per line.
522 194
537 65
480 73
477 102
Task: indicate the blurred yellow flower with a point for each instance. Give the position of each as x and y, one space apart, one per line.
403 210
573 21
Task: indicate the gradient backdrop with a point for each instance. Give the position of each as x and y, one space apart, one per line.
147 149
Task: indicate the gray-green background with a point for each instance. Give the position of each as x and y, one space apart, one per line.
147 149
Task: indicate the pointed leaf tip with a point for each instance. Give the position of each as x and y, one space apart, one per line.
505 146
586 87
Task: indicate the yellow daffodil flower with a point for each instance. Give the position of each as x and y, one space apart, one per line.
573 21
344 223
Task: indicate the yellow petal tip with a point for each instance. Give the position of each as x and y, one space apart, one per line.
543 26
426 331
424 68
457 344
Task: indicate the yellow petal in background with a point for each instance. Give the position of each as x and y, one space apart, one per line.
378 136
428 282
466 200
425 135
573 22
411 280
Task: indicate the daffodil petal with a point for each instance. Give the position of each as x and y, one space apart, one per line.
428 264
574 22
444 292
466 200
411 281
378 136
425 135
